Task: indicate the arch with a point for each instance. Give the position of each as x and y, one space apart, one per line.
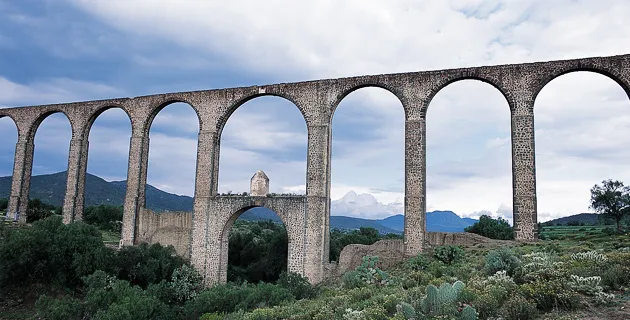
161 153
445 83
107 161
602 71
38 121
278 147
354 88
353 169
224 239
592 142
156 110
54 151
223 119
96 113
7 153
480 173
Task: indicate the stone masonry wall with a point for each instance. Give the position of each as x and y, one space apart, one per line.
166 228
317 101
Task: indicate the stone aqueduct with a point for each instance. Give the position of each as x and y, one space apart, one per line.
306 217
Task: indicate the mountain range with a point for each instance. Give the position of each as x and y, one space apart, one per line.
50 188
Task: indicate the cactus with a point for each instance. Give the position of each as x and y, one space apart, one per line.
468 313
407 311
442 301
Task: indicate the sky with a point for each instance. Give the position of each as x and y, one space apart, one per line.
75 50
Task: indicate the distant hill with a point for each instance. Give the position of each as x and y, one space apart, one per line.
50 188
586 218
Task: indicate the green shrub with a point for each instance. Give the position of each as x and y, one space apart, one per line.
186 283
519 308
502 259
418 262
369 273
494 229
145 264
104 217
448 254
352 279
52 252
298 285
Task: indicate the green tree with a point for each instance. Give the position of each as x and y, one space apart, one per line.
105 217
494 229
38 210
612 200
4 203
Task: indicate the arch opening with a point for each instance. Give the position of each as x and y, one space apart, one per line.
367 170
258 245
108 137
172 158
468 156
581 125
8 130
265 133
52 135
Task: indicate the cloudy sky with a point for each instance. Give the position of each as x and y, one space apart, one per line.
55 51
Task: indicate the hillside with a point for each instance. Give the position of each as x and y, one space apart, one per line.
50 188
586 218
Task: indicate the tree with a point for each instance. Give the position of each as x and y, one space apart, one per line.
491 228
612 200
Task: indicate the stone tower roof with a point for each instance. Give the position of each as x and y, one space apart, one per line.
260 175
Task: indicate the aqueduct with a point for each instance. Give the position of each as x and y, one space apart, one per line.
307 217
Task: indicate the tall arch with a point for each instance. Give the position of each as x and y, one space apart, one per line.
106 140
367 152
173 130
469 160
9 132
53 147
582 121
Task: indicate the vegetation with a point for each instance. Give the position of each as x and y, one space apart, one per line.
574 272
494 229
612 200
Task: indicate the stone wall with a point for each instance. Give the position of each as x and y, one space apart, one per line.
391 251
166 228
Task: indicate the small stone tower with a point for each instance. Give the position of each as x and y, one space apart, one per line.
259 184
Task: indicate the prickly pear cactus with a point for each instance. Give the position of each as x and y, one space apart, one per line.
468 313
442 301
407 311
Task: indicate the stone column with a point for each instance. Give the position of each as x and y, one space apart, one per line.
318 164
524 169
415 185
203 192
136 185
21 180
74 188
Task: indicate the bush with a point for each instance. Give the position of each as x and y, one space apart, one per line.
419 262
52 252
448 254
502 259
519 308
104 217
298 285
494 229
145 264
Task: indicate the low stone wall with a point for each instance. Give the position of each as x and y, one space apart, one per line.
391 251
166 228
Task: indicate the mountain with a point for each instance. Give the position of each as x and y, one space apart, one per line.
50 188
